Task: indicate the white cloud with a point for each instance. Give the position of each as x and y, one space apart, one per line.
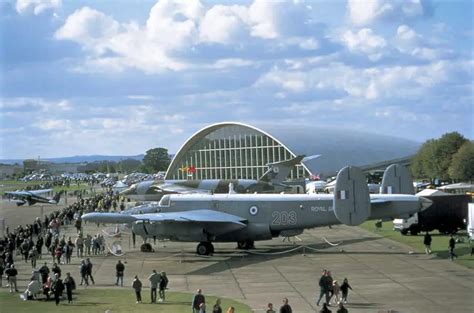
364 41
89 28
53 124
177 29
273 19
37 6
224 24
364 12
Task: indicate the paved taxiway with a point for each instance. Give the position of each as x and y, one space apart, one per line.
383 274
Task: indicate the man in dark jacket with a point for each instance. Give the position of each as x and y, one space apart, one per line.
285 308
198 299
44 271
70 285
325 283
11 274
57 286
119 269
427 242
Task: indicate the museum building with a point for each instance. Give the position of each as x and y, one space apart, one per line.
234 150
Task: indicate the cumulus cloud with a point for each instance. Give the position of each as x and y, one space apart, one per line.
175 30
224 24
36 6
89 28
365 12
364 41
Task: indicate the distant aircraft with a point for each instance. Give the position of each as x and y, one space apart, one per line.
245 218
31 197
271 181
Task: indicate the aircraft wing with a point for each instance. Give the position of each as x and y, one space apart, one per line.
214 221
40 191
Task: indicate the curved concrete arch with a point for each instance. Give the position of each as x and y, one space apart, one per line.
206 131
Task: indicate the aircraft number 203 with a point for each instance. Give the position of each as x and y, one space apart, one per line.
284 218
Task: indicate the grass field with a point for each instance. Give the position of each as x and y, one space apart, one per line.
439 245
113 301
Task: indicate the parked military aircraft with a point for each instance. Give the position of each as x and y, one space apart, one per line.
31 197
245 218
271 181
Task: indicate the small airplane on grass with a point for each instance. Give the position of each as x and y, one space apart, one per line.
246 218
30 197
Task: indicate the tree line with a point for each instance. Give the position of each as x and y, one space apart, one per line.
448 158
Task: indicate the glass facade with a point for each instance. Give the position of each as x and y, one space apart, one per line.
230 152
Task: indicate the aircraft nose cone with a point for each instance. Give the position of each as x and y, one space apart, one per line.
425 203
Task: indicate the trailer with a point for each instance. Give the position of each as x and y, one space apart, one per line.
448 214
470 221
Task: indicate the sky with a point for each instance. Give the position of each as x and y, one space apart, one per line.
119 77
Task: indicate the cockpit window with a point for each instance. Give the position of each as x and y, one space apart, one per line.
165 200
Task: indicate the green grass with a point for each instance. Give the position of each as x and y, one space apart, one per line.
439 245
101 300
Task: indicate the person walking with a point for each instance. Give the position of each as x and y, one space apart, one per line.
270 308
11 273
119 269
285 308
335 291
231 309
89 270
452 245
2 269
198 299
154 279
44 271
324 287
57 286
217 306
69 285
83 270
79 246
162 286
427 242
345 290
137 286
33 255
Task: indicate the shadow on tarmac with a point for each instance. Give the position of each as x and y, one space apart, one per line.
223 260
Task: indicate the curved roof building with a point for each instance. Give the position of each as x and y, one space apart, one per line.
233 150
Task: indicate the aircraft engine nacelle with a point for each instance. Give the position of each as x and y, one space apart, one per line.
351 196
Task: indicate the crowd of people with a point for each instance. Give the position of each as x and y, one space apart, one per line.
33 242
330 289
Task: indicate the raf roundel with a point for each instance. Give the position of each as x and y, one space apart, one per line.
253 210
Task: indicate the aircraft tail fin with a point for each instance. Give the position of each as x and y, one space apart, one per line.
351 196
397 180
277 172
57 197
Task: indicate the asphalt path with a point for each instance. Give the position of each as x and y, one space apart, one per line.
385 276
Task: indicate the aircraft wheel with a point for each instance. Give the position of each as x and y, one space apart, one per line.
146 247
204 248
246 245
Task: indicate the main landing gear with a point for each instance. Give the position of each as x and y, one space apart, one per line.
246 245
205 248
